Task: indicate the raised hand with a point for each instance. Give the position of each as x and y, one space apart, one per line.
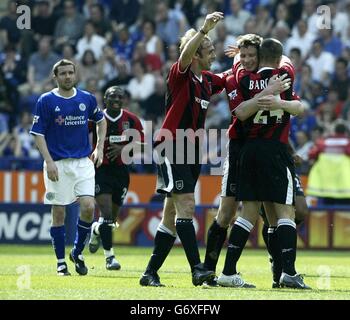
211 20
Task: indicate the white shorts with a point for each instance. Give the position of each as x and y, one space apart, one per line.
76 178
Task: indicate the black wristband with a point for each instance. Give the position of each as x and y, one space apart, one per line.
202 31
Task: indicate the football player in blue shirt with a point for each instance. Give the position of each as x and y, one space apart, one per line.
60 128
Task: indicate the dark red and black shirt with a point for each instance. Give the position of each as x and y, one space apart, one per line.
187 100
275 124
117 132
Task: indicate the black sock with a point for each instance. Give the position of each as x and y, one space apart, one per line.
215 240
274 249
187 235
105 230
236 243
163 242
264 233
287 238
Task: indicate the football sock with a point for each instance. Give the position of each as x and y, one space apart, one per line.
58 242
105 230
287 238
238 237
163 242
264 233
215 240
187 235
274 249
83 230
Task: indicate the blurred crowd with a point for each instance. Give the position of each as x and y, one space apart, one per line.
132 43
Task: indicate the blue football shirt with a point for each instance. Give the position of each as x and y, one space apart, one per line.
64 123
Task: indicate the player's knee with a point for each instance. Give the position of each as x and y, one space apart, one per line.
58 214
301 212
224 217
87 209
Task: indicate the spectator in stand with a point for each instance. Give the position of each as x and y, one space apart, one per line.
336 106
125 12
8 27
340 19
123 77
309 13
154 106
6 107
264 21
281 31
154 44
304 88
25 140
70 27
91 40
341 79
331 42
103 26
170 23
88 68
301 38
141 86
236 19
151 61
43 23
172 55
123 43
282 14
329 176
321 63
304 122
108 65
39 68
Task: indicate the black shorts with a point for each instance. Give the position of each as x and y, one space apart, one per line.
112 179
177 176
229 177
266 172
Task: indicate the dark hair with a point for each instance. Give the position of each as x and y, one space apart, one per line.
61 63
270 50
340 128
296 50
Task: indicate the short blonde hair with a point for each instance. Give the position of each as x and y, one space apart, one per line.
188 36
249 39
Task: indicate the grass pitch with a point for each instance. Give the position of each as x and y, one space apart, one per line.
29 272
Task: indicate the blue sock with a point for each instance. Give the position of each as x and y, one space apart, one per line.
58 241
83 230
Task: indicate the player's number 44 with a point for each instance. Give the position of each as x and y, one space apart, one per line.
262 119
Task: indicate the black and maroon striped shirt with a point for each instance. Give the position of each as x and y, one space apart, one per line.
275 124
187 100
116 132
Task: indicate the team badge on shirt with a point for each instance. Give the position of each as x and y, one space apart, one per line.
126 125
82 107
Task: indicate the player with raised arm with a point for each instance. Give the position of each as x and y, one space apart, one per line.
189 88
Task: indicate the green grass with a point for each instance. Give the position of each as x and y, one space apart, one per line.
328 273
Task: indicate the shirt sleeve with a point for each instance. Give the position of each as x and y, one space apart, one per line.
233 92
40 118
95 113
